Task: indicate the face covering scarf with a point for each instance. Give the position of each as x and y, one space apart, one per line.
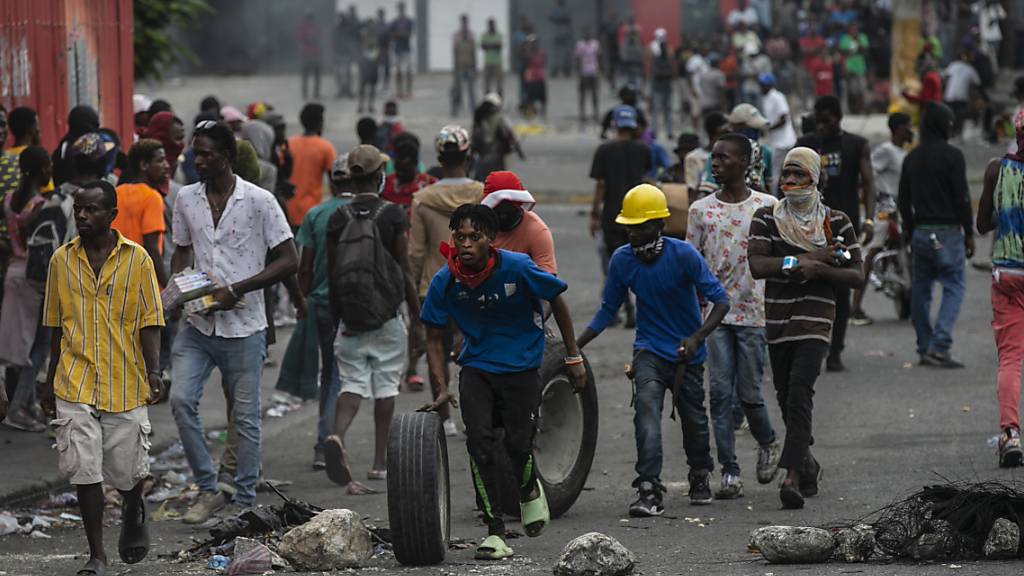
800 217
649 252
1018 125
459 271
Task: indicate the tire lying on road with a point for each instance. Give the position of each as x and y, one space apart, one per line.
419 497
563 449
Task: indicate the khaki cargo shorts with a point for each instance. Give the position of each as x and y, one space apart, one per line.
109 447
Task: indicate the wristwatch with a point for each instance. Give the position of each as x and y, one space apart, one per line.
789 264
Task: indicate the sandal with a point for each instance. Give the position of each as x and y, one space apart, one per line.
133 544
414 383
377 475
93 568
337 461
493 548
535 513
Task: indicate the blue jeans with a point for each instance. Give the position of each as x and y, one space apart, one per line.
661 103
330 382
652 377
736 368
944 265
240 361
25 392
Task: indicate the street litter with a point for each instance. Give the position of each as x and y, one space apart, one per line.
218 562
282 403
8 523
953 521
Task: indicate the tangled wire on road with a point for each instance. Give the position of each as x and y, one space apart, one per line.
951 521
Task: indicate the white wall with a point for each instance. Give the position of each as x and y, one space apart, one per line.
443 22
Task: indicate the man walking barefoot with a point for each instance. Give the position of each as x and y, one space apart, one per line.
104 369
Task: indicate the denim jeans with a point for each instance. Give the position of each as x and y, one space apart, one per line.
464 80
25 392
652 377
944 265
240 361
736 368
661 103
330 383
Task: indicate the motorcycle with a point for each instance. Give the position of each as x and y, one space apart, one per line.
890 268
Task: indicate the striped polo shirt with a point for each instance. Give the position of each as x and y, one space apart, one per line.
101 362
796 310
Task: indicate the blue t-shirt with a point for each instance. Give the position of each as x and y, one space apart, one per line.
501 320
667 311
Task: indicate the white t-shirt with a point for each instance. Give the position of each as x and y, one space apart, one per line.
887 163
719 231
252 224
989 16
959 77
775 106
748 16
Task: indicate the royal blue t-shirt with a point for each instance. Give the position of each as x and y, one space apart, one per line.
501 320
667 311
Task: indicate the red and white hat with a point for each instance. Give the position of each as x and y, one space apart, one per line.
504 186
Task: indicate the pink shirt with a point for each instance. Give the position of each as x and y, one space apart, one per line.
587 51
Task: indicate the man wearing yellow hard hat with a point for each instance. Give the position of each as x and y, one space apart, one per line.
666 275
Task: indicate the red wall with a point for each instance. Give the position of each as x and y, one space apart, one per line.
56 54
654 14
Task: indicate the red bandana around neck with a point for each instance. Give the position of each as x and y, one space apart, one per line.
471 279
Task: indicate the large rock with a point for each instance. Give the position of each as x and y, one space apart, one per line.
332 540
1002 540
855 544
793 544
595 554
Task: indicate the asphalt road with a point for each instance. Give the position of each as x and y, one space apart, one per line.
883 429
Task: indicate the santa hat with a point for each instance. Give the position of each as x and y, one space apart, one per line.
502 186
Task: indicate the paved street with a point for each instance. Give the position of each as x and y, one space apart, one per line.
883 429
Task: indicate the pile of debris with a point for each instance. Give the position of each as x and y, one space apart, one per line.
953 521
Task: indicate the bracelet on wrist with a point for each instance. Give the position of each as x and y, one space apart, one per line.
573 360
231 290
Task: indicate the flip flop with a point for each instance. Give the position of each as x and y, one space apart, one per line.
535 513
337 461
414 383
133 544
93 568
493 548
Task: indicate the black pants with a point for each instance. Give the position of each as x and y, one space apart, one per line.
492 401
839 326
795 367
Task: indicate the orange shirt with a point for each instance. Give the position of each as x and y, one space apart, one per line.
533 238
140 211
312 157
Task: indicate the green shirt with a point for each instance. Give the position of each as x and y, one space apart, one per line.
10 177
312 235
854 50
491 44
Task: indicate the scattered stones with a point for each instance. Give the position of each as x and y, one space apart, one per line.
333 540
595 554
855 544
792 544
1002 540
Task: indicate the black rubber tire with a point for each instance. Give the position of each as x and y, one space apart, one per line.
419 494
562 485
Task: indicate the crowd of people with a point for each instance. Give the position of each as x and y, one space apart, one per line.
780 236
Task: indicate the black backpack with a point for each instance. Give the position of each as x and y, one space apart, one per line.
368 285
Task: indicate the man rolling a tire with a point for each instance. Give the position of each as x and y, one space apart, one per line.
494 298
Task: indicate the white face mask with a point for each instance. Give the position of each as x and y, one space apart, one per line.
380 183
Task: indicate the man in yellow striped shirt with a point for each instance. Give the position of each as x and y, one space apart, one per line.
103 303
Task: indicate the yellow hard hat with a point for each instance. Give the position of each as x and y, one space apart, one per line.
642 203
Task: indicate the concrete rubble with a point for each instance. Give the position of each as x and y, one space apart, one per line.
332 540
1002 541
854 544
792 544
595 554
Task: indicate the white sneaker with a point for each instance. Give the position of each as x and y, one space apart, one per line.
450 429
